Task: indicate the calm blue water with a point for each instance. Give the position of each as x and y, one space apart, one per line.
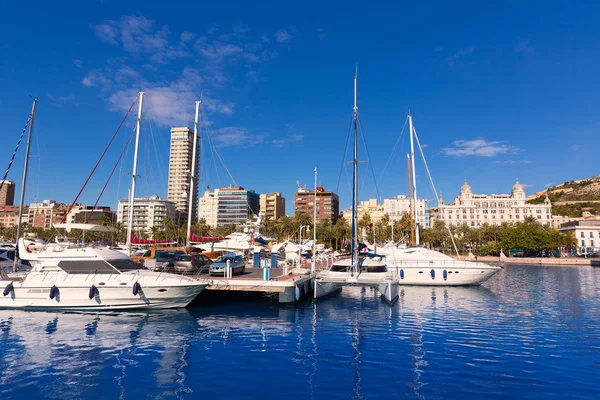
529 333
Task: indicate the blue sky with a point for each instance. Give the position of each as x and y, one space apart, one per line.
497 91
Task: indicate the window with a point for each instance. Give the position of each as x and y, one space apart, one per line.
591 235
582 234
592 243
583 243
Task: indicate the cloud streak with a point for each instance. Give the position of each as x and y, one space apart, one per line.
451 60
479 147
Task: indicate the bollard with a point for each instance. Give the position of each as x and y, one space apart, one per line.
273 260
256 263
228 269
266 273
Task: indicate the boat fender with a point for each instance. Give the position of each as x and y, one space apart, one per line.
53 292
432 273
445 274
30 247
92 292
297 293
9 288
136 288
401 274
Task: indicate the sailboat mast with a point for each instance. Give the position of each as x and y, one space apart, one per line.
414 180
354 265
410 203
193 174
313 261
134 172
24 182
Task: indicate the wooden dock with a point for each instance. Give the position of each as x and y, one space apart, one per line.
291 288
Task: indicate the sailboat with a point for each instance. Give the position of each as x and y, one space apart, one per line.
357 270
70 277
420 266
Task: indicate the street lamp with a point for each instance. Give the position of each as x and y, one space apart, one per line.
307 227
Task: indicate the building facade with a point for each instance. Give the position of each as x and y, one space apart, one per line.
477 209
9 215
272 205
396 207
370 207
180 168
93 215
587 234
43 215
147 213
229 206
328 203
7 193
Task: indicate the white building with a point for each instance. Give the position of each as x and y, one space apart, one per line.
180 168
209 207
587 234
147 212
478 209
229 206
397 206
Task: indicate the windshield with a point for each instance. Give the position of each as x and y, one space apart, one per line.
125 264
224 259
166 254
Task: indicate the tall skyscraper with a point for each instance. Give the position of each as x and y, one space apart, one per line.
7 193
180 168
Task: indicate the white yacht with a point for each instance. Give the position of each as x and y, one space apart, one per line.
357 270
68 277
421 266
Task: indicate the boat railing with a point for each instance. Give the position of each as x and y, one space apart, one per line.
437 263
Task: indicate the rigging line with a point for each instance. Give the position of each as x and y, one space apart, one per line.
101 157
111 174
369 157
119 183
393 150
433 186
156 155
15 152
345 154
209 132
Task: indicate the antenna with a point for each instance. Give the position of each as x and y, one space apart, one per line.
298 184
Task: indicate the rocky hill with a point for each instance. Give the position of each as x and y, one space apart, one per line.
572 198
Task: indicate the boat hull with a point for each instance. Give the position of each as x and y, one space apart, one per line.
443 275
110 292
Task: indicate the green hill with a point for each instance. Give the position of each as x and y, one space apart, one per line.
572 198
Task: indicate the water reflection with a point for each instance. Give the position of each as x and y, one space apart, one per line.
72 350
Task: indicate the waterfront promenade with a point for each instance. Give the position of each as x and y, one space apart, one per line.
550 261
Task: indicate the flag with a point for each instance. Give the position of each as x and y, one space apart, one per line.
270 246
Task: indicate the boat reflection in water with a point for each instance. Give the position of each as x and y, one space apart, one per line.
70 352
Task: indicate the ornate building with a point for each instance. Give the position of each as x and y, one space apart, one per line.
478 209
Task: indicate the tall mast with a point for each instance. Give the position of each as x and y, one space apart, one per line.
414 176
410 204
354 265
313 261
134 172
193 174
24 182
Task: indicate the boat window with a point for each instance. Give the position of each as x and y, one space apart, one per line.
374 268
339 268
87 267
125 264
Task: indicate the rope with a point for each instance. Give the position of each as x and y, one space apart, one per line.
15 152
369 158
433 186
98 163
110 176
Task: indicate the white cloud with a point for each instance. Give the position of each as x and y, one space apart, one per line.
283 36
321 33
524 47
547 185
187 36
235 136
78 63
575 147
60 100
479 147
459 54
513 162
526 185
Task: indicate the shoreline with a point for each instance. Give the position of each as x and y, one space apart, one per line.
558 262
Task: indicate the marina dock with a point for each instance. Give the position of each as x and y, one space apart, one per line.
290 287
